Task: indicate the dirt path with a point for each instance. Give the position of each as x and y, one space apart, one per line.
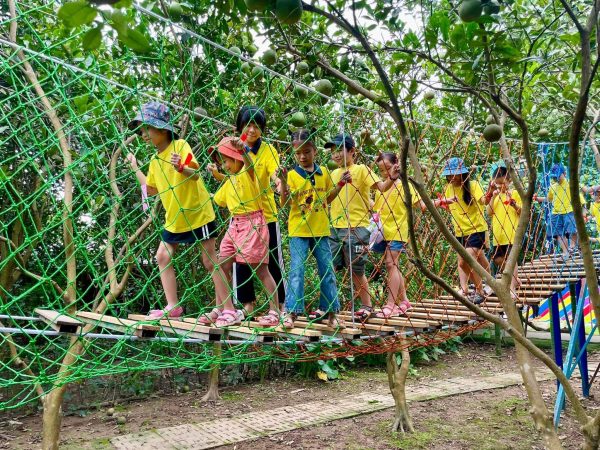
488 419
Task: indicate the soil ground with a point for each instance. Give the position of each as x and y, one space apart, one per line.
495 419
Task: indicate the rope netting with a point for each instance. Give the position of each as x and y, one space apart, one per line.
115 232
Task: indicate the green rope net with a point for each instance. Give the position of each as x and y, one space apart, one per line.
96 252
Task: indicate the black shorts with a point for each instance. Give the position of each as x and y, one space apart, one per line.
501 251
203 233
475 240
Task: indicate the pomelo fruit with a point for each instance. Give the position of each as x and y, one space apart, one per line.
110 412
324 87
492 133
246 67
288 12
121 420
175 11
300 91
392 144
269 57
252 49
256 5
257 72
543 133
235 50
470 10
302 68
185 388
332 165
298 119
429 95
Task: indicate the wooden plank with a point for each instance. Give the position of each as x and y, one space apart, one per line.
143 330
397 322
259 334
57 321
442 317
348 333
192 330
302 333
382 330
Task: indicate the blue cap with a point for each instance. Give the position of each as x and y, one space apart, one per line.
341 139
557 170
154 114
455 166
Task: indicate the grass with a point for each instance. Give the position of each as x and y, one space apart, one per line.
232 396
496 425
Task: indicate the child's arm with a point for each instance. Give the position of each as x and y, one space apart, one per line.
214 171
284 189
492 190
188 168
346 177
140 175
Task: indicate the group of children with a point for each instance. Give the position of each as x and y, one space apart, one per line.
329 216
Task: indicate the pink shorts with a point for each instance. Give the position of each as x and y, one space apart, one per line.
247 238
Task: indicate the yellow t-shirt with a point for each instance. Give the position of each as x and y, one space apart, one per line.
392 211
308 211
466 219
595 212
560 196
266 162
505 218
185 200
354 199
239 193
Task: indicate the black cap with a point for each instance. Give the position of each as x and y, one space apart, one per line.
249 114
341 139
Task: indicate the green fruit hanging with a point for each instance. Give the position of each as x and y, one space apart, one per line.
492 133
256 5
175 11
470 10
324 87
288 12
269 57
302 68
298 119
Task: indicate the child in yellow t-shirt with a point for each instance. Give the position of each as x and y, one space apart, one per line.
350 216
308 189
465 200
504 208
595 210
562 220
393 218
247 238
189 215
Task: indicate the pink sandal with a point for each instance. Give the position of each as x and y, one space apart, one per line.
388 312
228 318
288 320
209 318
171 313
404 307
272 319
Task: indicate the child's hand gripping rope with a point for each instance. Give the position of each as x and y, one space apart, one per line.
177 164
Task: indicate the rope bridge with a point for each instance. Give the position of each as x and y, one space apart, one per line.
114 237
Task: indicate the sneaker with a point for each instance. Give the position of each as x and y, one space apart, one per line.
476 298
488 291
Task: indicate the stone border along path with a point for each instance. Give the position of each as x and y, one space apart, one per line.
253 425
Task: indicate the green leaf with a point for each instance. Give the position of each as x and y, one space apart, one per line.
135 40
92 39
77 13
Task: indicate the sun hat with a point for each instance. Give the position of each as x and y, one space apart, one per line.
455 166
341 139
497 165
557 170
227 147
156 115
249 114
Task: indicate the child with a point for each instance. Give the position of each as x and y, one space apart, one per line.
309 189
350 214
252 122
504 207
562 220
464 198
595 212
247 238
189 215
393 218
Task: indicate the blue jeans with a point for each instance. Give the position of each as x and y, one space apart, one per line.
299 247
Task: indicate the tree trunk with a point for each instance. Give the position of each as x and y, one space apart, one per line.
212 395
52 418
397 381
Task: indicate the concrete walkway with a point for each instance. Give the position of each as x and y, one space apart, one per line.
267 423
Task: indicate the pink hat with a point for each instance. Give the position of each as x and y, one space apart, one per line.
228 147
